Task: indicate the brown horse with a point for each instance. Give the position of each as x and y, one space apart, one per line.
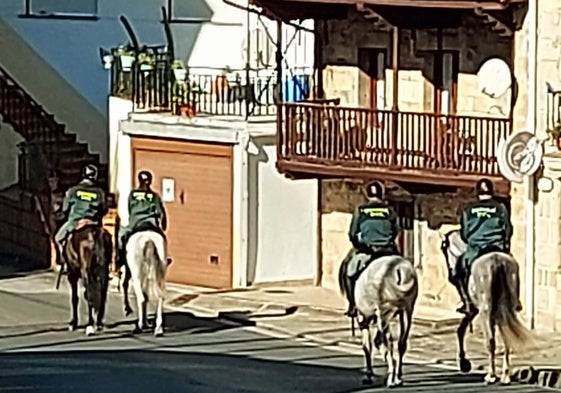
88 255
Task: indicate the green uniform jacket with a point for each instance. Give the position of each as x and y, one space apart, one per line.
485 225
145 207
85 200
374 225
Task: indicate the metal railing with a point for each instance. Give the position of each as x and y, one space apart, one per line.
158 85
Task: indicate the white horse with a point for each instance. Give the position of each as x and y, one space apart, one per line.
147 263
385 294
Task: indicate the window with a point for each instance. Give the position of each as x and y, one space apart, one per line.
373 62
191 11
61 9
446 81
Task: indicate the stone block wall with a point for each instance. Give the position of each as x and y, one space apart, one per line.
436 215
474 41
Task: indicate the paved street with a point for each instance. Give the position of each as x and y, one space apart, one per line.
196 355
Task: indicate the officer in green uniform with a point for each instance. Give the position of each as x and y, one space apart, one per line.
146 212
373 231
485 227
86 200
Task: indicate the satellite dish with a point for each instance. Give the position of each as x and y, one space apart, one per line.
494 78
519 155
261 49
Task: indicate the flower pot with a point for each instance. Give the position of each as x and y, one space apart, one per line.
146 67
126 62
180 74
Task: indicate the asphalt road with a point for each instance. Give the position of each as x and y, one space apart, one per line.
38 354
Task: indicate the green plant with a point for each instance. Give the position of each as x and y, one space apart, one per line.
554 132
125 50
177 64
145 58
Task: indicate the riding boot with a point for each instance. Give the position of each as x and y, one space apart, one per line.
350 290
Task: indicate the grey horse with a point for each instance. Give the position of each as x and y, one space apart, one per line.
385 295
493 288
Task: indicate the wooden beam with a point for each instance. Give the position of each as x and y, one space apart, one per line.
457 4
441 177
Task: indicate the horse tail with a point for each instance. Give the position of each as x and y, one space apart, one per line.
405 279
155 276
503 304
95 267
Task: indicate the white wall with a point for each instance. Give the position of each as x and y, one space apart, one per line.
283 220
8 155
123 175
118 110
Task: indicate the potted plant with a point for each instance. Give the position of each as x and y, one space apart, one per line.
126 55
554 134
179 71
146 62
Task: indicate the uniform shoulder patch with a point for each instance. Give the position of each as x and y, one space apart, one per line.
142 195
376 211
483 211
86 195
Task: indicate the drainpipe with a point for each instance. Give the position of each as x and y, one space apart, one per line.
530 180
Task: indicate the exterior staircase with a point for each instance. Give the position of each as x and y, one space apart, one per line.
63 155
27 223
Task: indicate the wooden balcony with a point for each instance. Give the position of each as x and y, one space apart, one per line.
323 140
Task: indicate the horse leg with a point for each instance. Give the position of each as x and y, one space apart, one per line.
101 312
140 300
505 376
159 330
489 329
464 363
73 280
90 330
126 280
367 349
404 327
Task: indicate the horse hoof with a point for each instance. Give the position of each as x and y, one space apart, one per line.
367 381
505 380
71 327
465 365
398 382
90 330
136 330
490 379
128 311
159 332
99 328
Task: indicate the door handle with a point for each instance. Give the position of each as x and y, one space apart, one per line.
182 197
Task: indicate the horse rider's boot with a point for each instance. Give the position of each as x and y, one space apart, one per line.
465 306
350 289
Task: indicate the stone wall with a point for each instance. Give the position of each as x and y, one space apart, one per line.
474 41
435 215
547 288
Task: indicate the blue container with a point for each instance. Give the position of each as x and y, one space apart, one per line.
296 88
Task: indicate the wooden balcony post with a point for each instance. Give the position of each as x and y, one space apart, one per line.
395 107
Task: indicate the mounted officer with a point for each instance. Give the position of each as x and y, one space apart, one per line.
485 228
86 200
146 212
373 231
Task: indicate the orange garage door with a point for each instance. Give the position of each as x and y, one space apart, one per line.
200 214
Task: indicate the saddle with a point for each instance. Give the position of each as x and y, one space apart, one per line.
85 222
366 257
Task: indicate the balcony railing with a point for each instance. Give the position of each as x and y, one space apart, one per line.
158 86
330 135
